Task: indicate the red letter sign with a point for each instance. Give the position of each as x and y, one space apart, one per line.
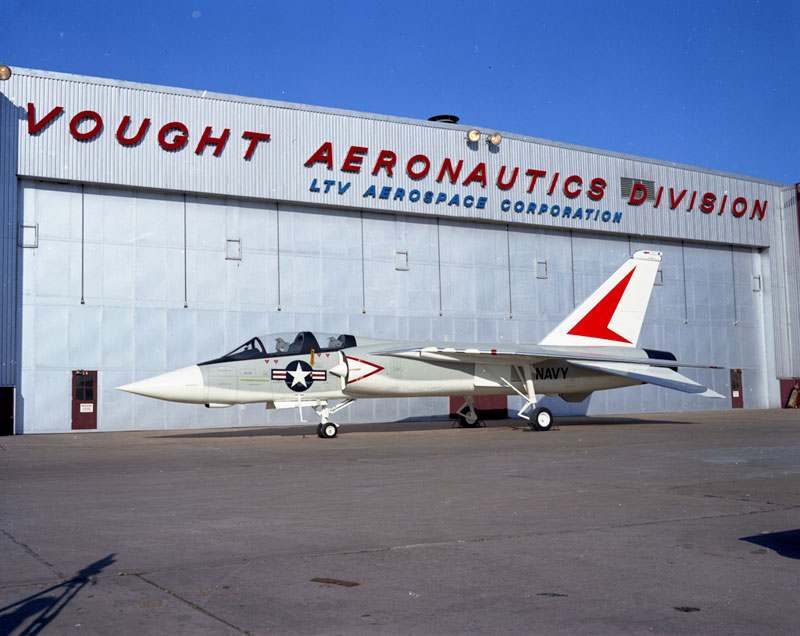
501 184
34 126
386 159
426 166
638 194
570 180
179 141
254 138
207 139
86 114
534 175
323 155
597 189
352 162
477 174
123 126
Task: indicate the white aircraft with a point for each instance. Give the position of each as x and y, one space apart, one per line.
593 349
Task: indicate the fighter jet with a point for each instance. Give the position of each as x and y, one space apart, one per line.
592 349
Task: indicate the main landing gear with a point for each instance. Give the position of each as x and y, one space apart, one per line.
466 416
540 419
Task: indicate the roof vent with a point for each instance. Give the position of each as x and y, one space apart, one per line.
444 119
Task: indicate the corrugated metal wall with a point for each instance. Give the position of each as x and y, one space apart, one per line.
785 268
277 170
9 116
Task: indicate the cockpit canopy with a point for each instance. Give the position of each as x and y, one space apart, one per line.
286 344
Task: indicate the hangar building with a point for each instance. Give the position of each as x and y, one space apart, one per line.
146 228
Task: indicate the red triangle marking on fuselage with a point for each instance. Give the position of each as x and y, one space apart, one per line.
366 372
595 323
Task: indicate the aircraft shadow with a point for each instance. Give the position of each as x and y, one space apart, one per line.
787 543
410 424
44 606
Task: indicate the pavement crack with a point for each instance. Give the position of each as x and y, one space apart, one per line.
30 551
528 535
783 506
191 604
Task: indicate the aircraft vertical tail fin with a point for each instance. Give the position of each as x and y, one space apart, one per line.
613 314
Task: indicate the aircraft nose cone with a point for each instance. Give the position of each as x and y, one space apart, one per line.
339 370
183 385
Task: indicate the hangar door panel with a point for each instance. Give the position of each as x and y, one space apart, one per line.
320 259
474 274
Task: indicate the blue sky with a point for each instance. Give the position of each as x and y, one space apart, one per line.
710 84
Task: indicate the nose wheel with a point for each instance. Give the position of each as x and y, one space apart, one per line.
327 430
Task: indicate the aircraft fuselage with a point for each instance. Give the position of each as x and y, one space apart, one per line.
358 372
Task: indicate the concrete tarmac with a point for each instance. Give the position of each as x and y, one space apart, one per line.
662 524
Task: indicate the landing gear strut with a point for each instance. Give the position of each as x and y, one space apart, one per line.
540 419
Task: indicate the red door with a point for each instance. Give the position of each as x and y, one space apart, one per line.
737 399
84 400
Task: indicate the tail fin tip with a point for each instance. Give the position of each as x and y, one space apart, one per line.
648 255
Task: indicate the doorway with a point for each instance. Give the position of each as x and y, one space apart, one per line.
6 410
737 397
84 400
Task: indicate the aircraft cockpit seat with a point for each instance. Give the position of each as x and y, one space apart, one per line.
342 341
303 343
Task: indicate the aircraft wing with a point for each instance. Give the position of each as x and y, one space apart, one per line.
650 374
531 355
649 370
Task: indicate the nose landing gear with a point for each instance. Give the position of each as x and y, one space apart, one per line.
327 431
325 428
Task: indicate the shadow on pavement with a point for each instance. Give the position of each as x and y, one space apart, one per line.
786 543
409 425
44 606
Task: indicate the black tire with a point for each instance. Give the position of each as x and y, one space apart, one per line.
542 419
464 423
319 430
328 431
